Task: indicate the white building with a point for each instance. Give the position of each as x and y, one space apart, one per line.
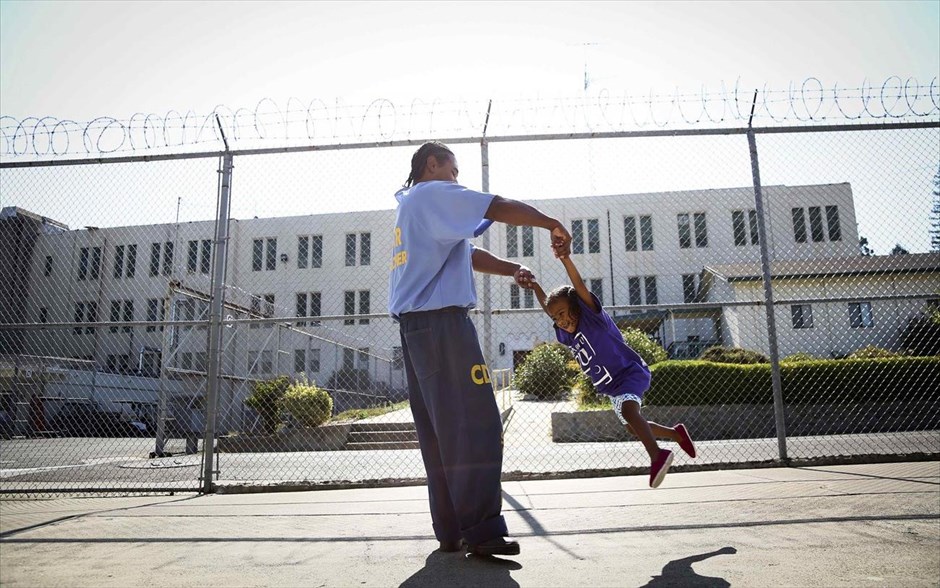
632 249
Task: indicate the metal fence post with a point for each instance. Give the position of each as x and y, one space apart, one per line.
487 280
220 247
768 291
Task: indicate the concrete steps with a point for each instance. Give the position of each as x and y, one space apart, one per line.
372 436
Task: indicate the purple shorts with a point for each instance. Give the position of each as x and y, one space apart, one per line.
632 389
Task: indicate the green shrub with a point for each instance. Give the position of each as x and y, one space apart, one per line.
651 351
586 395
872 352
846 381
720 354
544 373
349 379
310 405
265 399
800 356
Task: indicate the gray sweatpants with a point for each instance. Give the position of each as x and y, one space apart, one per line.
457 422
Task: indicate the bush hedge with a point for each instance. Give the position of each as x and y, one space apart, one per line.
872 352
265 399
846 381
310 405
651 351
719 354
544 373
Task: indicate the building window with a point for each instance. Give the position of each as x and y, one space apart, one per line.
701 230
596 286
206 256
270 254
802 316
83 263
349 362
257 255
633 287
629 232
167 258
316 251
43 315
364 306
594 235
47 270
130 267
689 288
528 242
512 241
155 259
685 231
192 257
85 312
860 316
300 361
349 306
350 249
652 296
646 233
155 312
365 248
303 252
398 358
740 225
264 254
799 225
577 236
314 360
115 315
528 298
832 222
118 261
128 315
301 308
513 296
816 224
262 306
364 358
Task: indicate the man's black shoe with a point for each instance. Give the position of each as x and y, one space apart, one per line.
498 546
452 546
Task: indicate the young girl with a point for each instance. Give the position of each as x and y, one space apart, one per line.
615 369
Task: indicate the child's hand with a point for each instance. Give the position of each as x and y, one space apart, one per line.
562 250
524 277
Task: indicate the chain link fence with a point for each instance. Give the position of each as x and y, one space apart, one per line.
156 307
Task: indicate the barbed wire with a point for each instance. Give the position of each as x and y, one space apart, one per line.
315 122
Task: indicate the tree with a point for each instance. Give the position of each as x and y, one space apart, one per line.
899 250
864 248
935 214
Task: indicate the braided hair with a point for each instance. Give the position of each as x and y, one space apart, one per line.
419 160
564 293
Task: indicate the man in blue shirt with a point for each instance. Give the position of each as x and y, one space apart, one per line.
431 288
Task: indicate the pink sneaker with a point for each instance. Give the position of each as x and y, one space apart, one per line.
660 467
685 441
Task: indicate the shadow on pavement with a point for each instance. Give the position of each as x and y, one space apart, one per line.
457 569
679 572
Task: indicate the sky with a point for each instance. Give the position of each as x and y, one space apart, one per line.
82 60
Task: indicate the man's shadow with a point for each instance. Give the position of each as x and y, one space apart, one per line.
679 572
458 569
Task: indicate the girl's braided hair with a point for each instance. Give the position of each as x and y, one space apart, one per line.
564 293
420 159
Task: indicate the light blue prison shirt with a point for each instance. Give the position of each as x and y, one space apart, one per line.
431 265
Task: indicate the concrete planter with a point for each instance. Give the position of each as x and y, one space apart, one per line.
753 421
327 437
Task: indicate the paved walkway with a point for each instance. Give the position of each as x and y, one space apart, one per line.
861 525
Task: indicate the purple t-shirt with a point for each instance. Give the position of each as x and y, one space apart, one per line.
603 355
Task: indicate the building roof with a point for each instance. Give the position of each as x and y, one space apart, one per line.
832 266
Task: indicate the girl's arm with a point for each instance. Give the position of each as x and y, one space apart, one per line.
583 293
539 295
